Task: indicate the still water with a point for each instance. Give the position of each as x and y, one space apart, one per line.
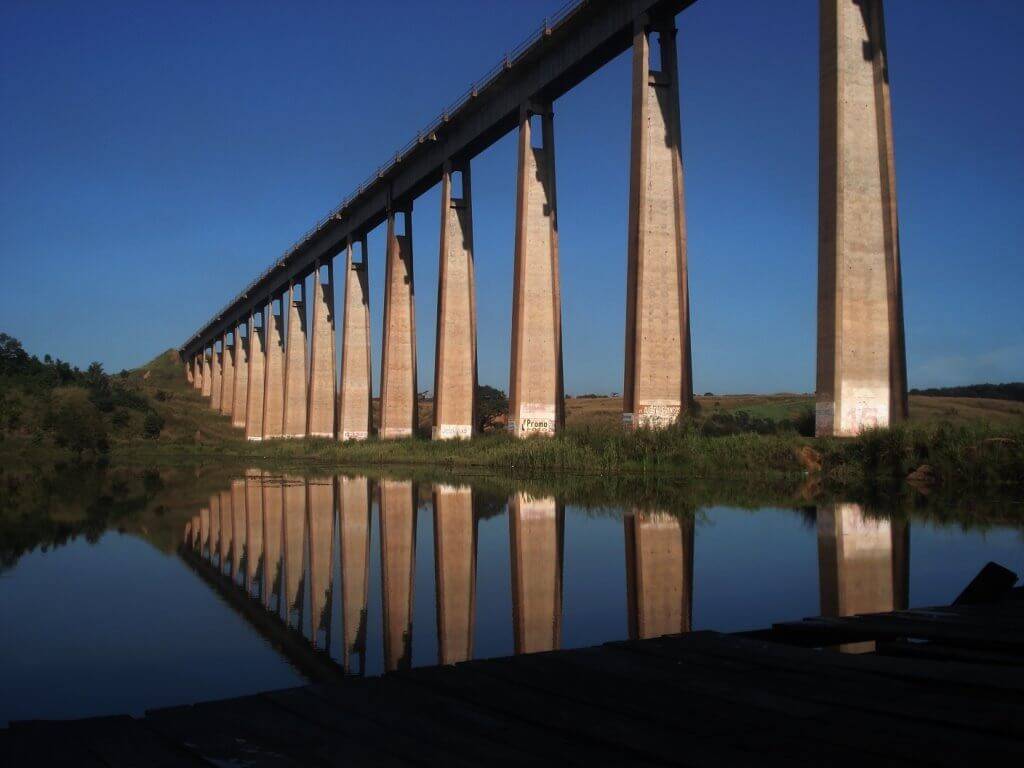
123 592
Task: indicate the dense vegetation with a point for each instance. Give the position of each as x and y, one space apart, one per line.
1012 391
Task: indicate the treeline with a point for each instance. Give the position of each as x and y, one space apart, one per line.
1012 391
52 403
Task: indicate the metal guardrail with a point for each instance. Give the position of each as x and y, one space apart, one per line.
511 57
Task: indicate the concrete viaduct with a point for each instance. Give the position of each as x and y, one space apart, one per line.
270 364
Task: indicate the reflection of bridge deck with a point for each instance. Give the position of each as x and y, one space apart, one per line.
953 695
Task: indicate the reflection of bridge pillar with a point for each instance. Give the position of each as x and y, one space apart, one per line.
257 374
227 376
195 542
253 531
226 531
322 376
214 541
455 568
320 503
273 533
238 519
398 358
398 553
354 520
206 379
536 527
863 562
536 402
861 379
204 531
455 349
294 543
295 365
273 387
659 573
241 393
356 370
216 361
658 371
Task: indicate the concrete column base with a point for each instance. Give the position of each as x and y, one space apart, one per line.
356 371
323 395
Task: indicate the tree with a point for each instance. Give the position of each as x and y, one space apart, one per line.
13 357
492 404
77 424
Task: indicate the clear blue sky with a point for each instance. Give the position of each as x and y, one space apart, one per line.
155 156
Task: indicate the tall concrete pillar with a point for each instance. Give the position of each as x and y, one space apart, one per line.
227 376
354 535
320 504
323 377
398 554
536 527
255 563
207 373
356 369
398 360
657 378
188 372
296 370
238 519
240 398
197 372
293 546
273 537
536 398
256 379
216 361
455 572
659 573
862 378
455 350
863 563
273 387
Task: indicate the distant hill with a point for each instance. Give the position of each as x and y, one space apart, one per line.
1012 391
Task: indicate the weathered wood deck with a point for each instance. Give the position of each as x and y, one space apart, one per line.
944 687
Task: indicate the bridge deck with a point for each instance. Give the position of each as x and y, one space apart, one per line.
945 686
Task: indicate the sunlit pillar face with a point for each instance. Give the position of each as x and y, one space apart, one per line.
354 540
536 526
398 554
659 573
455 571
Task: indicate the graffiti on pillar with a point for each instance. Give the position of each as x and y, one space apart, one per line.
656 415
354 434
453 432
535 419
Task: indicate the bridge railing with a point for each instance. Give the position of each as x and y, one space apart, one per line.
511 57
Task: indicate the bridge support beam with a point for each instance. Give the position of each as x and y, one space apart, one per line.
356 369
322 371
296 369
455 572
216 361
536 531
398 417
207 372
536 398
257 380
397 561
227 375
658 378
240 397
861 379
273 389
455 351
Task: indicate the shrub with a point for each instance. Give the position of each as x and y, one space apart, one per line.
76 423
152 425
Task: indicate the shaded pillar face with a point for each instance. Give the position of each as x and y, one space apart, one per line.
863 563
659 573
861 379
354 535
354 395
216 359
398 359
536 526
536 402
322 375
273 537
273 387
398 553
256 382
294 544
320 505
207 373
241 393
295 370
254 558
455 350
455 568
657 380
227 377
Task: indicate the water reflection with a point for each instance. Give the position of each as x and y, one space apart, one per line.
659 573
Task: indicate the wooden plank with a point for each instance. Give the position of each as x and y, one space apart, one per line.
938 652
123 741
888 628
34 746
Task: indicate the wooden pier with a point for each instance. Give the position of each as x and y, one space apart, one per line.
940 686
